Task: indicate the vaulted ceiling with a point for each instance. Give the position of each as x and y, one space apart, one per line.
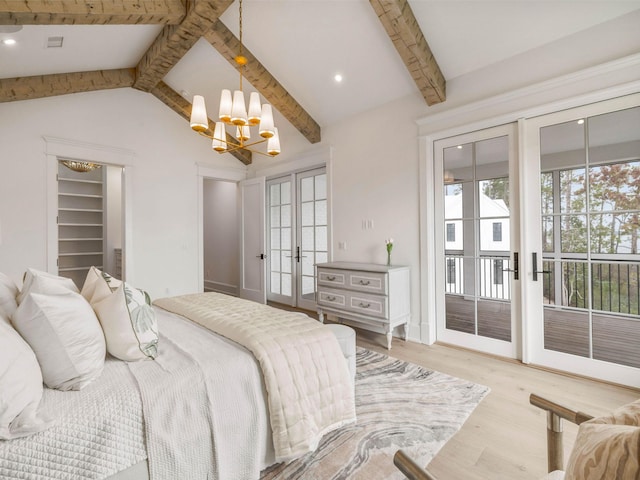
173 49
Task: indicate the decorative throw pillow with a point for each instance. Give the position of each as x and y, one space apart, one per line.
8 293
20 386
42 282
66 337
607 448
98 285
129 323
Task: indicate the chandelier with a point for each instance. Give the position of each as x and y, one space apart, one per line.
233 112
78 166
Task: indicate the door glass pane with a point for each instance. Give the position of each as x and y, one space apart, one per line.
477 238
285 193
306 216
321 186
592 213
321 239
306 189
286 284
574 193
321 212
280 235
307 238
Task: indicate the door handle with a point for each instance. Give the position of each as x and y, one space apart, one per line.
516 267
262 256
535 267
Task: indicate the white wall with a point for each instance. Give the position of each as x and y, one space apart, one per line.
374 176
163 175
221 239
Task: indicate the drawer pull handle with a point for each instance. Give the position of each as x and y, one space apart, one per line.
364 282
331 298
364 305
331 278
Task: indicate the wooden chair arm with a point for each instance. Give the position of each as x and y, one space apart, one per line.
555 414
409 468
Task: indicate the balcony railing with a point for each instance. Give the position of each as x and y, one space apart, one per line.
615 286
493 280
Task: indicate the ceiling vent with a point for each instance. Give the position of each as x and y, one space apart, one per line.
54 42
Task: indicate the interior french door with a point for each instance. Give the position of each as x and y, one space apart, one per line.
298 236
583 208
478 265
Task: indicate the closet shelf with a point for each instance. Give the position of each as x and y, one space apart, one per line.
93 210
77 269
79 195
80 239
78 180
80 225
79 254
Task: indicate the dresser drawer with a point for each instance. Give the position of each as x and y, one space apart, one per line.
370 282
354 302
370 305
331 298
334 278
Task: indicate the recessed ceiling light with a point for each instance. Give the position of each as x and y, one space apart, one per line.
10 28
581 121
337 77
8 41
459 147
54 42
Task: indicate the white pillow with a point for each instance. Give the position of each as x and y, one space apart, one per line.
66 337
20 386
98 285
129 324
8 293
36 281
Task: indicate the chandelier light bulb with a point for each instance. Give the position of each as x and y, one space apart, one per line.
273 144
199 119
219 143
266 122
254 109
238 109
224 113
243 133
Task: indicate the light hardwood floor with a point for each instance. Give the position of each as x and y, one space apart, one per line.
505 437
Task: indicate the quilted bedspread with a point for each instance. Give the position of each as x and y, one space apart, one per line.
98 431
307 380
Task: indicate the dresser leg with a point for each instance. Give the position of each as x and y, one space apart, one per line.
320 316
389 337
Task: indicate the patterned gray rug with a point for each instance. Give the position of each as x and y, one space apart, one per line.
398 405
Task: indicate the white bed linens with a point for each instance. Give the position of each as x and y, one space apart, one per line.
307 380
101 429
98 431
208 417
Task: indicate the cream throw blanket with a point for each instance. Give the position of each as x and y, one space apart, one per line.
306 376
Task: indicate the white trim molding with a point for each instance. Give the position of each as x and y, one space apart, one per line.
602 82
56 148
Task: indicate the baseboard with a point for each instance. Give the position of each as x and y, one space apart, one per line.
219 287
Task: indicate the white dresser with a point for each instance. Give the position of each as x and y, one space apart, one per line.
370 296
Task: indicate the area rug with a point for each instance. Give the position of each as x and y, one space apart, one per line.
398 405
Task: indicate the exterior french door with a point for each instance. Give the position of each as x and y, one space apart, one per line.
477 209
585 239
298 236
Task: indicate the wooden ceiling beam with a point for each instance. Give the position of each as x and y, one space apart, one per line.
183 108
91 12
402 27
176 40
225 42
40 86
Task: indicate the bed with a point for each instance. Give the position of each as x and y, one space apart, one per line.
205 407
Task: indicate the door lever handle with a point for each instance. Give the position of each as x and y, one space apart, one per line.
535 267
516 267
